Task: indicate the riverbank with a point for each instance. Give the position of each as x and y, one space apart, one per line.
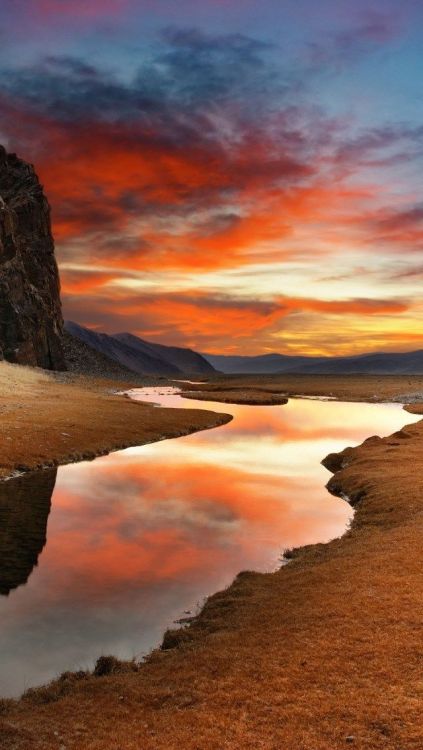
268 389
323 653
241 396
47 420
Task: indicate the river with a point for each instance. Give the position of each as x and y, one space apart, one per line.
138 539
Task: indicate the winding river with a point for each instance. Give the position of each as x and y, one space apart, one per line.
138 539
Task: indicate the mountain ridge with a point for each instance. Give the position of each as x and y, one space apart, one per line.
149 358
185 359
373 363
140 356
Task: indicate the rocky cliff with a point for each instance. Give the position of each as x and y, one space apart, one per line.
31 322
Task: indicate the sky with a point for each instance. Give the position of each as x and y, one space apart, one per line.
237 177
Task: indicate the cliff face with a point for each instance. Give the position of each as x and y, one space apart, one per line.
31 323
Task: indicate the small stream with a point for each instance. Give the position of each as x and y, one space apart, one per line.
101 557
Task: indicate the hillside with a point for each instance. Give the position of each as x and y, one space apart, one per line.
142 357
82 359
186 360
126 355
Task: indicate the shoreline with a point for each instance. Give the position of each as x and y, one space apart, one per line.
273 389
46 422
82 418
299 607
115 447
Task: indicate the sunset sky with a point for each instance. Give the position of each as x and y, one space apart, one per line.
238 177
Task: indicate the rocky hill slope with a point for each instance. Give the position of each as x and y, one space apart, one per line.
82 359
30 311
143 357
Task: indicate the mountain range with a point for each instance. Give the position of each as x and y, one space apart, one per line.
148 358
378 363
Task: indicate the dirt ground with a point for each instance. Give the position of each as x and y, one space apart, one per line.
324 654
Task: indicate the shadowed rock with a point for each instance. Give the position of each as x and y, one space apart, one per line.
31 321
24 509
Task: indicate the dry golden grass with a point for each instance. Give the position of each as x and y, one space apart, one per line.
325 653
344 388
18 377
45 422
251 396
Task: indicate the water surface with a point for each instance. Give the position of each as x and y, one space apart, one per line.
136 538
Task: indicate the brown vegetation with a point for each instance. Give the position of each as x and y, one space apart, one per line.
46 422
322 654
251 396
229 388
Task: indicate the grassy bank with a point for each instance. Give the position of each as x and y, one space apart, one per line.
250 397
46 422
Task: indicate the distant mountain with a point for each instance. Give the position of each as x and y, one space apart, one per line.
143 357
264 364
378 363
186 360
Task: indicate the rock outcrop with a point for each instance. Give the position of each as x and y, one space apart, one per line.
31 323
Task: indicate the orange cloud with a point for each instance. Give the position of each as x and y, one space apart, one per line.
342 307
74 282
162 189
210 323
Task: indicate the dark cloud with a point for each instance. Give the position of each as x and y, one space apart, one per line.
381 146
415 272
204 123
399 229
371 30
186 76
402 220
210 69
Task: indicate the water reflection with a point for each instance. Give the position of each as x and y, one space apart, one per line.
24 509
137 537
